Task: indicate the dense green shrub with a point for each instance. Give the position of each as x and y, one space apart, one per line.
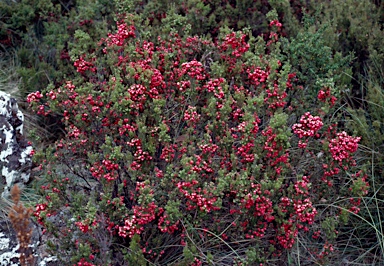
357 27
315 62
44 33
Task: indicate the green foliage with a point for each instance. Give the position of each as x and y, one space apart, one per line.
316 64
45 34
134 255
367 120
355 27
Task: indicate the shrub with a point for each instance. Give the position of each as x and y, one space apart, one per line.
354 27
45 31
314 60
184 150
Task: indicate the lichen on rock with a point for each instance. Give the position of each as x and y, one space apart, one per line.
15 150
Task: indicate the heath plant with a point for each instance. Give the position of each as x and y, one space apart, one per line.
183 150
45 32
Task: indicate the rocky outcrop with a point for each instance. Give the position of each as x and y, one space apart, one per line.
15 168
9 247
15 151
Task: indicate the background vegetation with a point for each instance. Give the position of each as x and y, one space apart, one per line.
330 46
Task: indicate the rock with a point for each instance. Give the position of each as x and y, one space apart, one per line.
15 151
16 166
9 246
